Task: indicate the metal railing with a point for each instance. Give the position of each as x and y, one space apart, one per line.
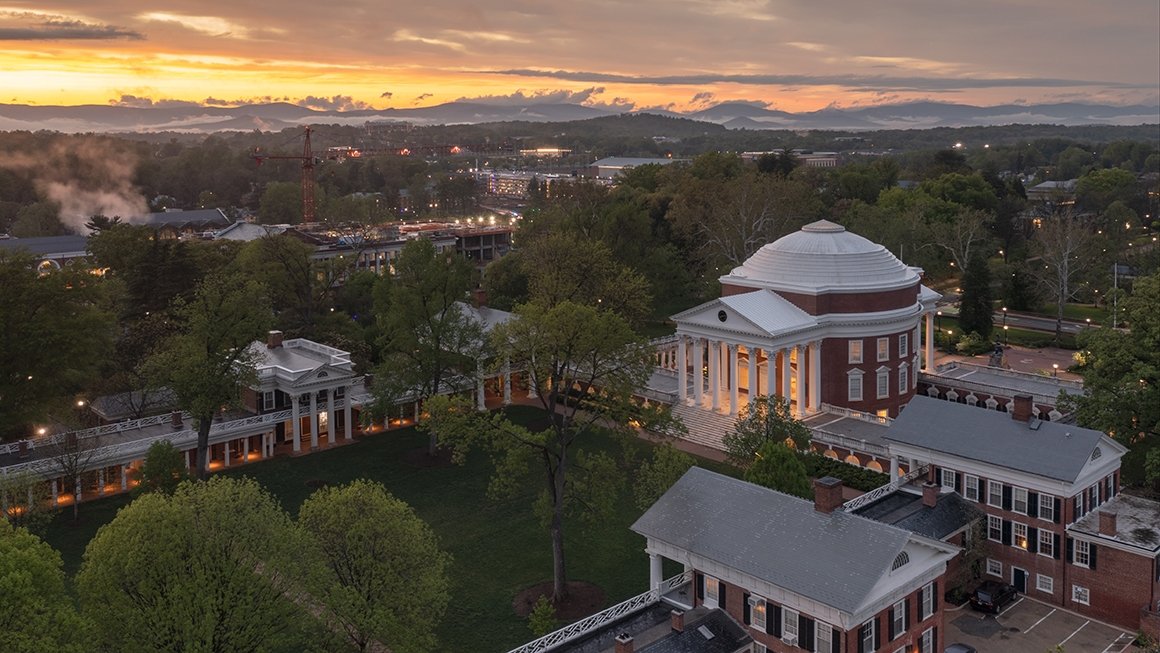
589 624
879 492
856 414
846 442
97 431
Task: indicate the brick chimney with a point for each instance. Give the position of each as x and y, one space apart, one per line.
175 420
273 339
677 619
827 494
930 492
624 643
1107 523
1022 411
23 448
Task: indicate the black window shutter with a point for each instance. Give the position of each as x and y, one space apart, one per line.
1006 497
745 618
700 586
1032 539
1058 511
934 637
835 641
934 598
1070 550
1092 556
1006 532
862 639
877 633
906 613
1055 546
806 632
721 596
890 634
959 483
775 614
1032 504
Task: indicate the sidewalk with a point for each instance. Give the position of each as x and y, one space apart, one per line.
1024 359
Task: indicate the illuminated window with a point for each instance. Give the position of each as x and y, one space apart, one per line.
883 349
1019 535
855 354
757 611
712 591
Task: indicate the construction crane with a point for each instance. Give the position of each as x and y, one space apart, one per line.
308 162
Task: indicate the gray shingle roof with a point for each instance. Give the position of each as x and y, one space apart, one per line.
834 558
906 510
1054 450
46 244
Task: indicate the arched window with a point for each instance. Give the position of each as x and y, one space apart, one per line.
899 560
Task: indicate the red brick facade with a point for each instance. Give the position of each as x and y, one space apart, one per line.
827 303
836 368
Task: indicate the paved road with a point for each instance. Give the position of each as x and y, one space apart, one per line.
1036 323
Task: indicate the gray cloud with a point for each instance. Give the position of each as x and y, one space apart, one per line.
335 103
67 30
539 96
424 96
387 95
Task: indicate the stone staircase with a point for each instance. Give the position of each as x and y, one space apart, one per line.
705 427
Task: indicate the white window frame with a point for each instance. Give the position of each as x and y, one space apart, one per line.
971 490
927 607
994 567
882 389
899 614
854 351
268 400
789 624
1019 496
994 523
883 349
712 592
1045 583
903 378
903 344
1081 595
821 627
758 647
852 385
995 494
1081 547
1047 507
926 641
1018 533
868 637
1046 541
758 606
945 475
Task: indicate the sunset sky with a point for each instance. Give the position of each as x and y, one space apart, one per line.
678 54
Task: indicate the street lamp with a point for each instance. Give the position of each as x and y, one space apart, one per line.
1055 369
1004 335
938 322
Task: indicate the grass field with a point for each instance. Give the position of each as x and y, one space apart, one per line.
499 547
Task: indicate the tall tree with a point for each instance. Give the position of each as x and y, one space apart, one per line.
656 476
1066 248
68 458
210 360
766 418
431 343
584 365
162 470
215 567
777 467
387 579
36 613
976 309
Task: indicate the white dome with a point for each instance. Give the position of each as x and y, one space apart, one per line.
823 257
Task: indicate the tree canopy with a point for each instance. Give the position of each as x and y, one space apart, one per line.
36 613
777 467
765 418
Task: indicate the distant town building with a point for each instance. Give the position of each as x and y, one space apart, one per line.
610 167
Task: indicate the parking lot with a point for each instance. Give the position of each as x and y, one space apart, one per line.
1028 625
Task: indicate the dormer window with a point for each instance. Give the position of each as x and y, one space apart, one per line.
899 560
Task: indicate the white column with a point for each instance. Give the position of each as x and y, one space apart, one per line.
124 477
928 361
313 420
893 469
723 365
682 370
246 449
347 400
77 497
714 375
733 384
101 481
55 493
296 423
654 571
770 371
754 386
331 422
188 464
226 453
507 383
815 376
481 398
698 372
800 352
785 372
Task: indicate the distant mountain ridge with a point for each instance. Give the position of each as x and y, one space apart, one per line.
732 115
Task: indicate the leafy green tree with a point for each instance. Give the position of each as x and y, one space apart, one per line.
55 331
208 362
154 271
542 620
99 222
505 280
431 343
1121 373
584 365
215 567
37 221
1098 189
766 418
162 470
387 578
24 500
281 203
777 467
656 476
36 613
976 308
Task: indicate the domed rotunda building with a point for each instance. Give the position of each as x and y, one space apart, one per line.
820 316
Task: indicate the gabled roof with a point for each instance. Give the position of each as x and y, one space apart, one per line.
906 510
46 245
195 217
1052 450
834 558
488 317
768 312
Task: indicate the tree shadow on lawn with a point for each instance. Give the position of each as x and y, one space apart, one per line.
583 599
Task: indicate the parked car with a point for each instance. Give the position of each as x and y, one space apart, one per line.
992 595
960 648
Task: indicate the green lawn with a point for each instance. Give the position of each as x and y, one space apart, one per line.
499 547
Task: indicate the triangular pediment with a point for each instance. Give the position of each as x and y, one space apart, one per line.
321 375
761 313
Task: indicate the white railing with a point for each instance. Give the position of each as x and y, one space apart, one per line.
847 442
856 414
879 492
97 431
589 624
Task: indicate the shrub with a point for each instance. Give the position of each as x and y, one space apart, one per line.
858 478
